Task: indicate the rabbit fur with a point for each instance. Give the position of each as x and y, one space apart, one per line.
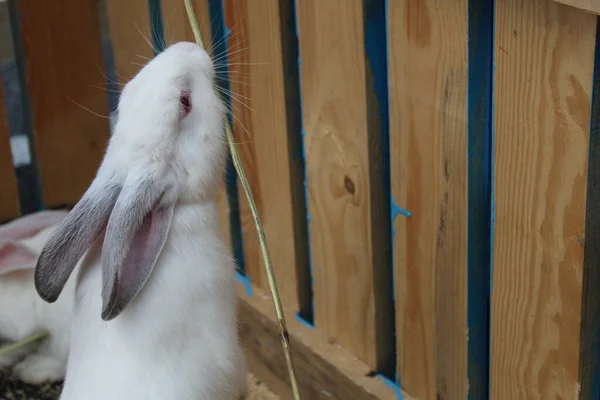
155 303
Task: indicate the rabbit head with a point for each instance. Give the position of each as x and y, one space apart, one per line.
167 147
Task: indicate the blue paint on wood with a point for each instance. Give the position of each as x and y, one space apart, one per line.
303 321
219 39
243 279
479 227
157 31
396 210
393 385
309 315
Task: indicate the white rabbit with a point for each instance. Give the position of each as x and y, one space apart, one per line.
155 308
22 312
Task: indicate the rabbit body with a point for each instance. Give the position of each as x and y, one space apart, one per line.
155 303
181 328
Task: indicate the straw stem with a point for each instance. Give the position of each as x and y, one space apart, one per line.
41 335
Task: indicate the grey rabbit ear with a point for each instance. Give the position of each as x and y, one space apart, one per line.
71 239
136 233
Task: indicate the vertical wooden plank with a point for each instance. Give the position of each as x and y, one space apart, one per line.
130 33
342 146
63 57
266 145
589 349
9 196
428 133
177 29
544 67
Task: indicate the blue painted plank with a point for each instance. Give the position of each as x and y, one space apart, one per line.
157 31
219 34
376 49
479 228
29 180
306 314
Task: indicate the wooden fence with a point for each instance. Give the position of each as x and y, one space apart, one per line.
426 171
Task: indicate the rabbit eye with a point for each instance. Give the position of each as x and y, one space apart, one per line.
185 101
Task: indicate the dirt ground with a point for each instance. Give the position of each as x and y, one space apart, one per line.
13 389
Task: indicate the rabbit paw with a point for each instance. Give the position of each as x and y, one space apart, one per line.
36 369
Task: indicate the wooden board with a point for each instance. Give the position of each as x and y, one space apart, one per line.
324 370
342 146
428 143
9 195
177 28
130 33
543 81
63 58
266 143
592 6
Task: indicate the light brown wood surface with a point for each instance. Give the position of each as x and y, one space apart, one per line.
341 153
592 6
64 67
258 97
177 28
9 195
543 82
324 371
130 33
428 130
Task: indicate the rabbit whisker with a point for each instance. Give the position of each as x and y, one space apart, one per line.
241 124
154 50
87 109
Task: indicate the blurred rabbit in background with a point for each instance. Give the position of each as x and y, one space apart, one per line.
22 311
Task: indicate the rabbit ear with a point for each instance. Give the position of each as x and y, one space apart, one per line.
30 225
71 239
135 236
15 257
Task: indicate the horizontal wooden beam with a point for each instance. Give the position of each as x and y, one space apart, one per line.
324 370
592 6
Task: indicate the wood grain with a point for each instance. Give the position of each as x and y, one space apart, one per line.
592 6
543 81
428 143
342 147
62 47
9 195
130 33
324 370
266 144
